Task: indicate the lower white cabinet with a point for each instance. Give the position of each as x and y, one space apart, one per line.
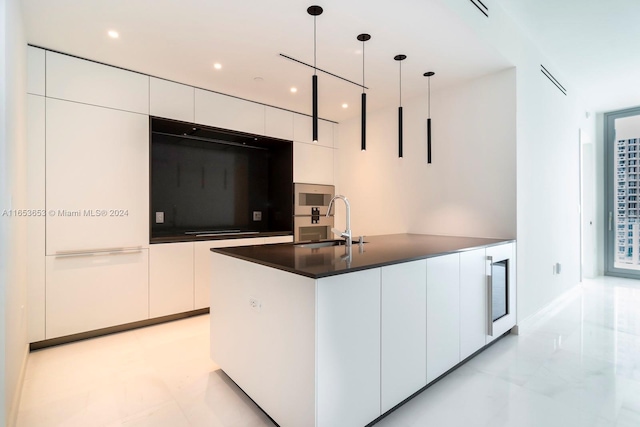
348 336
473 302
170 278
443 314
93 291
404 331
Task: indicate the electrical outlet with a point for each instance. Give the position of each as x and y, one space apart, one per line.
159 217
255 304
257 215
558 268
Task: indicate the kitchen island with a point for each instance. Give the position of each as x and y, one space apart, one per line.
329 336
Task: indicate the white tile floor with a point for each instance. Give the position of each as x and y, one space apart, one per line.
576 367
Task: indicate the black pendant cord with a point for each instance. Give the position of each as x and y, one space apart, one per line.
428 76
400 58
363 114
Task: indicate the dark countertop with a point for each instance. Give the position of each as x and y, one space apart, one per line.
174 238
377 252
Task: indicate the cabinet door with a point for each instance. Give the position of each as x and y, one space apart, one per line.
312 164
97 291
443 314
303 130
404 331
203 271
97 174
473 302
170 278
79 80
227 112
35 224
278 123
171 100
348 349
35 70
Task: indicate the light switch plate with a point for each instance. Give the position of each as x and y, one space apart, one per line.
159 217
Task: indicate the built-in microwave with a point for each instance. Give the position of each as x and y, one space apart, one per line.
501 290
312 199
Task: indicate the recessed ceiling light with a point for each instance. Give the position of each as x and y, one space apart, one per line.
294 89
345 105
217 66
113 34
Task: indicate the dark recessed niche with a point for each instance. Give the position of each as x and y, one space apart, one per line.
207 180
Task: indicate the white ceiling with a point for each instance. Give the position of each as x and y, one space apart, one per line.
182 39
595 43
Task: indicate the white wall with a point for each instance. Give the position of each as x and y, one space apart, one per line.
13 332
548 125
469 189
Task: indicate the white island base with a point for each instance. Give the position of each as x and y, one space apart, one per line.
340 351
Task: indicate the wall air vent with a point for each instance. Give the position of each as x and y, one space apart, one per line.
553 79
481 7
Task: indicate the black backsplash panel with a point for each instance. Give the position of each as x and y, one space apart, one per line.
205 179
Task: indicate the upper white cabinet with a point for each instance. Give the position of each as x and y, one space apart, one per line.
36 70
348 336
97 175
171 100
404 331
170 278
443 314
88 82
312 163
473 302
96 291
227 112
303 130
278 123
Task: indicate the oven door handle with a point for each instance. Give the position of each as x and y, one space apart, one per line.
489 297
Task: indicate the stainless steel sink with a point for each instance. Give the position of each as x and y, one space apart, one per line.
324 244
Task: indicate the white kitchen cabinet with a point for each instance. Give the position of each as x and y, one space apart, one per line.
348 336
473 302
303 130
97 175
404 331
170 278
443 314
312 164
202 265
35 70
88 82
227 112
36 223
171 100
278 123
96 291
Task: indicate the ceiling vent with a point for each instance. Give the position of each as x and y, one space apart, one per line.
553 79
481 7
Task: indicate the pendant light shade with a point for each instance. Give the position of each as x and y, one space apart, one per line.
314 11
428 75
400 58
363 139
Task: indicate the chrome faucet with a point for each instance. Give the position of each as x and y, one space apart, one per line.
347 233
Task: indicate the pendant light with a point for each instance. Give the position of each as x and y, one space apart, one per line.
400 58
363 141
428 75
314 11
